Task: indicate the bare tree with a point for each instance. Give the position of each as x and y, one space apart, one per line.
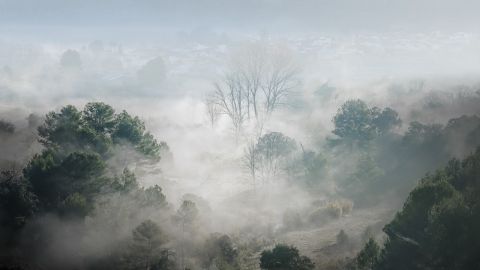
250 64
229 96
186 214
279 81
213 110
251 161
260 79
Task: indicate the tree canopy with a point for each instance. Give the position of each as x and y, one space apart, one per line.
271 153
72 169
283 257
96 128
146 249
356 122
438 225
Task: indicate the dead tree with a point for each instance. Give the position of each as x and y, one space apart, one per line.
251 162
258 81
278 83
229 96
213 110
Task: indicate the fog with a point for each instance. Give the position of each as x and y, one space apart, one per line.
178 65
270 15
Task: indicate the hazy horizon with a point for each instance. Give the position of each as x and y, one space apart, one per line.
161 134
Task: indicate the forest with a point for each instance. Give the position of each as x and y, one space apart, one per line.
77 203
239 135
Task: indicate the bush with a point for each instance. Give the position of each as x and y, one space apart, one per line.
326 211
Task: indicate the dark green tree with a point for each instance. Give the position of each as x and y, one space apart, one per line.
75 205
54 179
97 128
71 171
419 134
69 177
283 257
385 120
126 182
220 252
357 123
132 129
353 121
438 225
368 256
153 196
128 128
314 164
66 131
17 202
146 249
187 212
99 116
186 216
366 176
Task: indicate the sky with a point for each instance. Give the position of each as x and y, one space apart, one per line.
289 16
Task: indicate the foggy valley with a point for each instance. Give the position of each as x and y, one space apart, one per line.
273 135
